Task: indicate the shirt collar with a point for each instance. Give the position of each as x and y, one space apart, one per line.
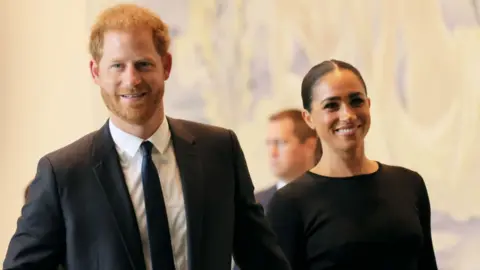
281 184
129 144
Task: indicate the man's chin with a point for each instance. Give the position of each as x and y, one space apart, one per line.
130 118
133 115
136 120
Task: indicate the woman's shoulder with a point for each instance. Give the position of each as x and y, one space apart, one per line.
299 187
399 170
400 173
289 201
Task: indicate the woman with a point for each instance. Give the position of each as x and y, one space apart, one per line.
350 212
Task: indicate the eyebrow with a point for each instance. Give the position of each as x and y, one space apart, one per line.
336 98
119 60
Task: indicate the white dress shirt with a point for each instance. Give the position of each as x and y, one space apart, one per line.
163 156
280 184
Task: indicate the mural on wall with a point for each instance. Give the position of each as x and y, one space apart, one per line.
235 62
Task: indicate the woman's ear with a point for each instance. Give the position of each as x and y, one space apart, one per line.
307 117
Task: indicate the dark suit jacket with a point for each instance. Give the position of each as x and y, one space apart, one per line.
79 211
263 197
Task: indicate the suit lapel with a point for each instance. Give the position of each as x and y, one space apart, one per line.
109 174
270 193
189 165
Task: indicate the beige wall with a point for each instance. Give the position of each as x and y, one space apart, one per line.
3 69
47 98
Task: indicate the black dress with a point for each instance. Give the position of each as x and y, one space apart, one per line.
373 221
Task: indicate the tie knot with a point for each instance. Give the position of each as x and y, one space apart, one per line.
147 147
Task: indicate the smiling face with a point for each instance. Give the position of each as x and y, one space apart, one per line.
340 110
131 75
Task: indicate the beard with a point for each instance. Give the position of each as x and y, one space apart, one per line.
136 112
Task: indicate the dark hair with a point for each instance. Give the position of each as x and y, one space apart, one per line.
317 72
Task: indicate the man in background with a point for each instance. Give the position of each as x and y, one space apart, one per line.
293 149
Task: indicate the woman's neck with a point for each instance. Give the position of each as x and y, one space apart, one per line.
336 163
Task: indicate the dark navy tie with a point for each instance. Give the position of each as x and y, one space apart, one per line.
157 222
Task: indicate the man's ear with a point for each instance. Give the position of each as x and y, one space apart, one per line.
94 70
167 65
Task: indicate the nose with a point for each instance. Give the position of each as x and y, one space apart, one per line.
273 151
347 113
132 76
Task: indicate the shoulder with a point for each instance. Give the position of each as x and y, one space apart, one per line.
293 195
264 196
67 163
200 130
402 175
290 204
209 138
77 152
393 169
266 191
298 188
399 171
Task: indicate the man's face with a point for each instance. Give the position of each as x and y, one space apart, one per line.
287 155
131 75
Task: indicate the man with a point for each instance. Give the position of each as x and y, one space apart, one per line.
145 191
294 148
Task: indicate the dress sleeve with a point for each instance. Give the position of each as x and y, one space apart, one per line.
286 221
427 260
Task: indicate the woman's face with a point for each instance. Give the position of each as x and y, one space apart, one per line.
340 110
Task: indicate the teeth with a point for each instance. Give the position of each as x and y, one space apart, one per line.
132 96
345 130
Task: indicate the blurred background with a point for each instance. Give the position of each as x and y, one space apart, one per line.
238 61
